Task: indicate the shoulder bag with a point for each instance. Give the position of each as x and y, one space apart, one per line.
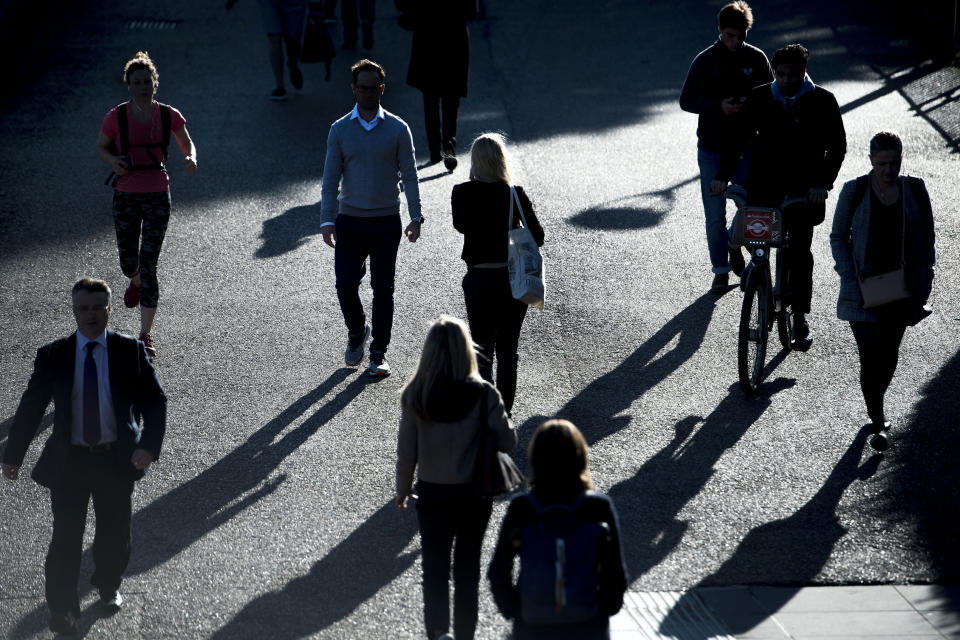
494 472
523 260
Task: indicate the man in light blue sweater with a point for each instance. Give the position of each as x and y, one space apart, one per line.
367 151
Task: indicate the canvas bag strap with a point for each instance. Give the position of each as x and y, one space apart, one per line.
903 233
515 198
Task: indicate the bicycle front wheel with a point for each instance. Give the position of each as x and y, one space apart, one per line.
752 338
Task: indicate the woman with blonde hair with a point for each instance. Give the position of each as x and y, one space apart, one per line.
481 212
133 141
443 408
560 525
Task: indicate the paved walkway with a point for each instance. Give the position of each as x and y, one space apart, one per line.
776 613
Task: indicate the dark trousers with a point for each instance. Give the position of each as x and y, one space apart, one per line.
799 258
879 347
451 517
357 239
495 319
140 220
87 475
354 12
440 119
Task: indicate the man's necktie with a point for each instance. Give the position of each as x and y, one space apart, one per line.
91 398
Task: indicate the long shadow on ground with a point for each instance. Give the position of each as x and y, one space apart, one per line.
649 503
599 410
350 574
924 475
791 551
215 496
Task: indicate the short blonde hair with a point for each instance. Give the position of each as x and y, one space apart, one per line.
488 158
447 356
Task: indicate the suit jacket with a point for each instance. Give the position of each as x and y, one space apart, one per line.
136 393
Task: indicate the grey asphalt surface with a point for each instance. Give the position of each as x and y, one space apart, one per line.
270 512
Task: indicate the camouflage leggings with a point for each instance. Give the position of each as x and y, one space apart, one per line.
141 222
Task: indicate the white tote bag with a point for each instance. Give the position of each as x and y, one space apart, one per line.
523 260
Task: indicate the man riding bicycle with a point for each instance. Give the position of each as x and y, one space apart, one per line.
799 146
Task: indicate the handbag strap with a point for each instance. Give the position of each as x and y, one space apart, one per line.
515 197
903 232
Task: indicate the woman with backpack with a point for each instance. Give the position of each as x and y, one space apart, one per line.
443 408
572 575
481 212
133 141
883 225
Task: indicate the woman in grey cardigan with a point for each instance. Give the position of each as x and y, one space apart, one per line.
882 221
443 408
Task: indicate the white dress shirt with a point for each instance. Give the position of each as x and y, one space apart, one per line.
108 421
355 115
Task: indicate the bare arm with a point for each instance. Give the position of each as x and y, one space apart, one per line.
105 151
188 148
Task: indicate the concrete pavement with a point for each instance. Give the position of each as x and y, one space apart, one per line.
270 513
902 612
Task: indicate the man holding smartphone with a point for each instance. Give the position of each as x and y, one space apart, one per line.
717 85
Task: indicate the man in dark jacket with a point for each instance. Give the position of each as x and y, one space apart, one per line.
101 383
717 85
799 146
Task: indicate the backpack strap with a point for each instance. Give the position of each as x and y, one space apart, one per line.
123 127
164 129
124 145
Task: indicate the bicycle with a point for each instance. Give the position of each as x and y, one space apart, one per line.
765 302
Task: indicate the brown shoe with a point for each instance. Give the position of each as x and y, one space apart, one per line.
720 283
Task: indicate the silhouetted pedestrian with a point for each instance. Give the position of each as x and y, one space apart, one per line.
133 140
481 212
443 407
883 224
440 67
367 150
572 575
102 383
717 85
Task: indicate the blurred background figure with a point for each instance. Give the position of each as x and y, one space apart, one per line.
357 13
439 67
283 22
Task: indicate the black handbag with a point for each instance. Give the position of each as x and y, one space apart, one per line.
494 472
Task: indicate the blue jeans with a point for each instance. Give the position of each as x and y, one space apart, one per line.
715 207
357 239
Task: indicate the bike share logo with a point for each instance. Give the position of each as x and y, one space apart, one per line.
757 224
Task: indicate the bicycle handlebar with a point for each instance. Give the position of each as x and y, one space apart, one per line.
738 194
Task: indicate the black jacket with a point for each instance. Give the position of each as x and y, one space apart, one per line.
135 389
481 212
716 74
440 53
794 149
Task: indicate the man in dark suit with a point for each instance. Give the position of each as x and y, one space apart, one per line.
101 384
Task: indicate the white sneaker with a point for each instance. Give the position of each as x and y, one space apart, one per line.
378 367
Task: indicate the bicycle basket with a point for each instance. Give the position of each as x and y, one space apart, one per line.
758 227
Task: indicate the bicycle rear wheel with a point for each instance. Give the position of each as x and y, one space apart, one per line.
752 337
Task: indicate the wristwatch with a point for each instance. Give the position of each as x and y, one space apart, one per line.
420 220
